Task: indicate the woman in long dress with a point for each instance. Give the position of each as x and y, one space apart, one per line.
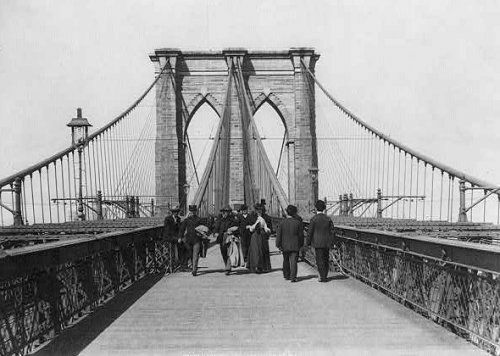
259 259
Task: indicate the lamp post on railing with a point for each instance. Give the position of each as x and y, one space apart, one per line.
313 173
79 133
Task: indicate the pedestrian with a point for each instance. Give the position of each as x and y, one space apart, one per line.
193 239
320 236
259 259
224 223
172 224
289 239
244 219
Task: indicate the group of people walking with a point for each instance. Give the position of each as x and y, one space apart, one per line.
243 238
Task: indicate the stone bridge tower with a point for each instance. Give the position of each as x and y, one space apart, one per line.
191 78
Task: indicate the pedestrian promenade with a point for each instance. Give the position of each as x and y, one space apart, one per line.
250 314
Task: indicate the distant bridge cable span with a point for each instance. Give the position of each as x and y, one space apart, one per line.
372 175
117 173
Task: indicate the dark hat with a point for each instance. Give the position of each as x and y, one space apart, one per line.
226 208
320 205
193 208
243 207
291 210
263 202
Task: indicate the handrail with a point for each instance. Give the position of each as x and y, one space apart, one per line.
444 168
36 167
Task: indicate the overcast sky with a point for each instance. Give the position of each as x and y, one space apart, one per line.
425 72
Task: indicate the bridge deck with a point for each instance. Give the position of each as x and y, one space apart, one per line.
258 314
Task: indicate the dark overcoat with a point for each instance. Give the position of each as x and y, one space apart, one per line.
171 228
187 229
290 235
320 232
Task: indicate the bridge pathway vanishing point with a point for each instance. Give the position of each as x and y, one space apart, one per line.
262 314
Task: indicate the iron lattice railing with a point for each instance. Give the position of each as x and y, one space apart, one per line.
454 284
44 289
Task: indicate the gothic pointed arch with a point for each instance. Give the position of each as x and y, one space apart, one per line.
275 102
196 102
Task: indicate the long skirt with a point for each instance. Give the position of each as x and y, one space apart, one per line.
258 253
234 253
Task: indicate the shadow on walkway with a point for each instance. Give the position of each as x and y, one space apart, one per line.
77 337
305 278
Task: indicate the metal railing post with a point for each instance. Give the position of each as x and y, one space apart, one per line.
99 205
345 200
18 217
351 205
137 212
127 206
379 203
152 207
462 214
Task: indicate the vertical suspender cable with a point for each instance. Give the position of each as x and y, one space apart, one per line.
57 191
432 192
24 207
448 212
41 193
48 191
424 193
32 199
68 165
63 189
441 197
416 190
411 182
393 170
404 184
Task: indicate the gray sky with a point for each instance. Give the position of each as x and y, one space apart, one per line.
425 72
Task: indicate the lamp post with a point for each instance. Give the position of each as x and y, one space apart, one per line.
186 192
313 173
79 134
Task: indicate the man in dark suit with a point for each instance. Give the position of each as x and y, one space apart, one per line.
188 233
226 221
172 223
289 239
320 236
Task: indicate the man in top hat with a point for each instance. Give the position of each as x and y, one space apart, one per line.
289 239
320 236
188 233
225 222
172 223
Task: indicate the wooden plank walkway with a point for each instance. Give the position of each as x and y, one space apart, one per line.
250 314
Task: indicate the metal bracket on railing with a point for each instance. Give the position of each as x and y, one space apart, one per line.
462 215
16 202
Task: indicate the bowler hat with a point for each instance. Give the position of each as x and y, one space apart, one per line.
320 205
226 208
243 207
291 210
193 208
